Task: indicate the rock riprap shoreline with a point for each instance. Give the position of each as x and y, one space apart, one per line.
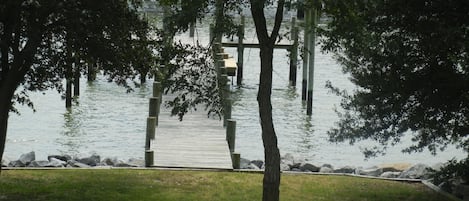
288 163
59 161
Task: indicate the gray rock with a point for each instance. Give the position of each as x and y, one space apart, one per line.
16 163
295 165
327 165
93 160
136 162
5 162
53 162
437 166
325 169
389 169
345 170
27 158
38 164
307 167
122 164
418 171
76 164
390 174
287 159
284 167
374 172
62 158
258 163
108 161
296 170
244 163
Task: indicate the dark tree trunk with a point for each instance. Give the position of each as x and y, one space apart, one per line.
269 138
5 104
271 181
7 89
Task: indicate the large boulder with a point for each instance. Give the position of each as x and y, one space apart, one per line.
76 164
284 167
5 162
38 164
326 169
308 167
287 158
345 170
53 162
60 157
418 171
395 167
108 162
27 158
373 172
16 163
93 160
258 163
390 174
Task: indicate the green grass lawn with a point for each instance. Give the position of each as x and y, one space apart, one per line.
127 184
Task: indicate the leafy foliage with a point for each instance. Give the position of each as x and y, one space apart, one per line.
453 172
92 31
193 79
410 61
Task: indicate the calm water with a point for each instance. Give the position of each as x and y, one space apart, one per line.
110 122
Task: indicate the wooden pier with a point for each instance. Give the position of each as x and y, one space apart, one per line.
195 142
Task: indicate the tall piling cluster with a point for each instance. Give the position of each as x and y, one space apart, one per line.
152 122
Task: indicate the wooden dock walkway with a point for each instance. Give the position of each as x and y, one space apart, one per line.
195 142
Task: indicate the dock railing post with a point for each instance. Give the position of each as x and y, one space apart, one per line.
236 160
149 158
231 134
151 129
152 122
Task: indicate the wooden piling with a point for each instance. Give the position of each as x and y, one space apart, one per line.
236 160
231 134
151 129
153 107
304 83
191 29
312 42
91 71
149 158
228 109
240 64
212 33
76 78
294 54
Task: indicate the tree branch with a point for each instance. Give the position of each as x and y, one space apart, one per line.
278 20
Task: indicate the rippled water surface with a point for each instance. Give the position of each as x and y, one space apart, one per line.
110 122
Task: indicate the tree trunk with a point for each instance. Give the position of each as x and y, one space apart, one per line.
5 105
271 181
269 138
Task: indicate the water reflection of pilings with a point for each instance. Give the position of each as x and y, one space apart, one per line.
72 132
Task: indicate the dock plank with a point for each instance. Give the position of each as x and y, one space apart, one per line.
195 142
